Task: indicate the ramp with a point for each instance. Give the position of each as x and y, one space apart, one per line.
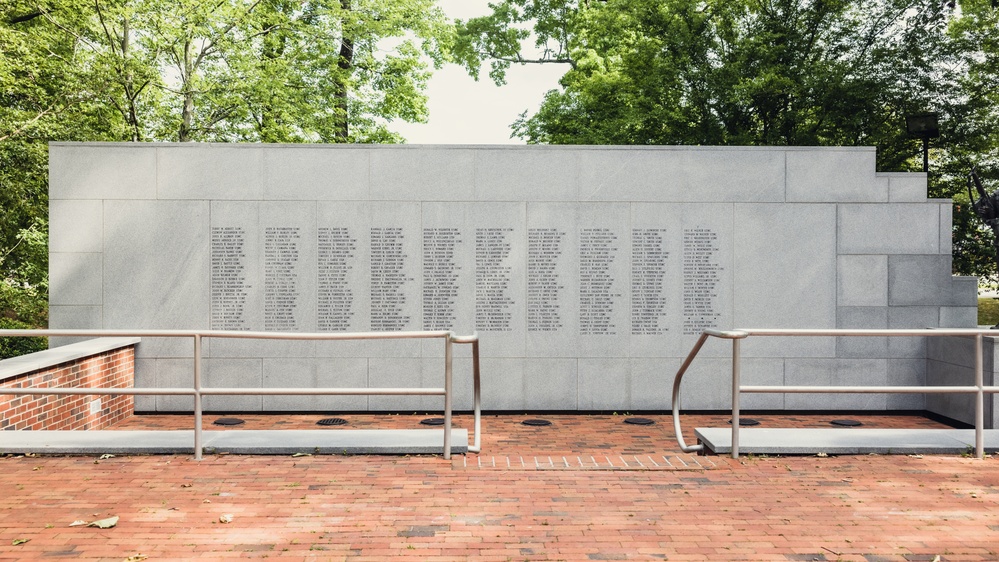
243 442
844 441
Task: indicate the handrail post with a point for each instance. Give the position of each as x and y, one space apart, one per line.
979 399
476 398
736 384
448 361
197 398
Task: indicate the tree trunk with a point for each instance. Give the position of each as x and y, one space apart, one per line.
345 63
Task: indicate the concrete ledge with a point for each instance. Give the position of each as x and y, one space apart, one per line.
50 357
844 441
243 442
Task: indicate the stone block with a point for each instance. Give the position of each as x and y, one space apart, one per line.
73 317
681 175
860 317
652 383
75 279
102 171
233 373
171 289
862 280
315 173
946 228
907 372
804 272
552 291
395 372
171 373
902 228
76 226
964 292
906 187
549 173
836 372
210 172
908 318
604 252
604 384
309 373
816 175
919 280
958 316
401 173
503 384
551 384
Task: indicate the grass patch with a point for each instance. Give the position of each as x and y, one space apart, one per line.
988 312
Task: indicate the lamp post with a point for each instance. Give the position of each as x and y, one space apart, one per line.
923 126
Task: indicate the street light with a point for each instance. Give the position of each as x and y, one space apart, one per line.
923 126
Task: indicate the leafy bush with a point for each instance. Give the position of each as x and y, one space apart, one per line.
12 347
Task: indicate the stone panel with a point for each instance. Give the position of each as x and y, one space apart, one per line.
76 226
910 317
307 373
553 269
784 258
551 384
233 373
906 187
862 280
907 372
919 280
215 171
604 258
671 174
75 279
604 383
432 173
862 317
548 174
102 171
499 241
315 173
833 176
902 228
836 372
171 239
504 383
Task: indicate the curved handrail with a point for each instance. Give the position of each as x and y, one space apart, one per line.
725 334
979 389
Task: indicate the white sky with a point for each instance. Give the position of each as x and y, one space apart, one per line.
463 111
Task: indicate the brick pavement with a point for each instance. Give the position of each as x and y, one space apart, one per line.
863 508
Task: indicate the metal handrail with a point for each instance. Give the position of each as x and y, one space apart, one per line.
198 392
979 388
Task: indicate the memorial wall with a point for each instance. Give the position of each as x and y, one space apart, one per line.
588 272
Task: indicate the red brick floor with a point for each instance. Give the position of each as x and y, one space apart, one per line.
864 508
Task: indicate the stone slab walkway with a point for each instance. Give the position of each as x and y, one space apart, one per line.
330 507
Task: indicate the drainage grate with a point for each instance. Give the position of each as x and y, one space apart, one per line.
746 422
536 423
846 423
228 421
432 421
332 421
639 421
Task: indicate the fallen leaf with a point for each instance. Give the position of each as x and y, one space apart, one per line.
821 455
302 455
78 523
18 542
106 457
225 518
105 523
136 558
186 485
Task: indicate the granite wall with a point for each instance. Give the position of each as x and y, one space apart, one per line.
587 271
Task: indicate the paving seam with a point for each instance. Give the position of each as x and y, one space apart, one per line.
669 463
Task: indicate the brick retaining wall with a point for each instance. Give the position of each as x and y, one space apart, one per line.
114 368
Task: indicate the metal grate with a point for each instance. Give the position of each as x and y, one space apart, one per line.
332 421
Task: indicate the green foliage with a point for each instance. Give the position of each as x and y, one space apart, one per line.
765 72
988 312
